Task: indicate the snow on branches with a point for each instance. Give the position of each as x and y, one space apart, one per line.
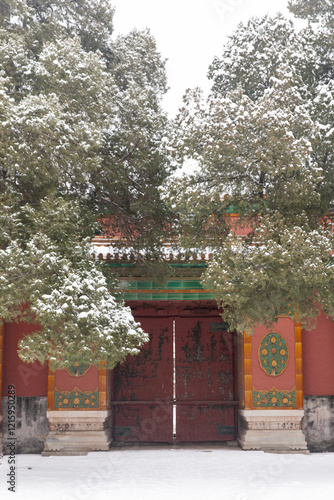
82 135
263 143
77 317
282 266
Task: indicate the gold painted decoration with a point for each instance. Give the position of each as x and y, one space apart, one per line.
78 369
76 399
287 310
274 398
273 354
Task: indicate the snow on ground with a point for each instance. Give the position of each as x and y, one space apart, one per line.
205 473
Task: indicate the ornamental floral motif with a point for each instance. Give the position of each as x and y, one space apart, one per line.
76 399
273 354
287 310
78 369
274 398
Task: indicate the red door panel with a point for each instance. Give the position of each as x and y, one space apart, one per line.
144 388
205 423
204 380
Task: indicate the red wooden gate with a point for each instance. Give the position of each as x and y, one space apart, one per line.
187 366
144 388
204 380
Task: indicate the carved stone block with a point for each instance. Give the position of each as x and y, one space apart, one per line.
271 430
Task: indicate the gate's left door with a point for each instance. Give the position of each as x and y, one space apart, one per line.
143 389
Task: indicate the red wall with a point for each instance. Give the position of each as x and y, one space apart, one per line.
318 359
29 379
87 382
287 380
318 362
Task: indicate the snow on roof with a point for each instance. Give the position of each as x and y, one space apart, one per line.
107 249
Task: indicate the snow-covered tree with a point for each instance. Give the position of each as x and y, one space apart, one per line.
253 55
263 144
134 157
312 10
82 136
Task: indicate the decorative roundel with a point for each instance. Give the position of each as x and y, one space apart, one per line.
78 369
273 354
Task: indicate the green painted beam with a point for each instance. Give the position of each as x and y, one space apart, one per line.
172 290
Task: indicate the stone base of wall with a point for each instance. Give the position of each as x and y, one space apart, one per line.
271 430
318 423
31 425
78 432
84 431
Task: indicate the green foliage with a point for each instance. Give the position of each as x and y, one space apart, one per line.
252 155
45 20
313 10
252 56
263 143
283 264
134 157
50 280
68 298
82 135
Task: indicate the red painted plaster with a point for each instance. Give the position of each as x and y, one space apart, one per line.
318 358
30 379
87 382
287 380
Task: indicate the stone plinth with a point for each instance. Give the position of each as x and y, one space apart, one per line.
271 430
31 426
318 424
78 432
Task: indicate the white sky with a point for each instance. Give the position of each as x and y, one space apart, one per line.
189 33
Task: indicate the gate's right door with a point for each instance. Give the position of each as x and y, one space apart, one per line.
204 380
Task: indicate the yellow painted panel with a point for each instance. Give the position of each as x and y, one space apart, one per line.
298 333
299 399
248 383
102 400
248 400
247 351
298 349
102 388
299 382
102 384
248 338
299 366
248 366
51 390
